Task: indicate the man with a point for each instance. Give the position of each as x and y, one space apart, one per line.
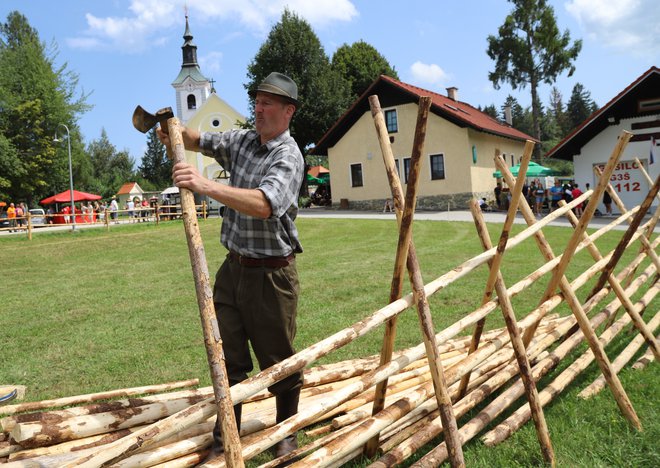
556 194
114 208
256 287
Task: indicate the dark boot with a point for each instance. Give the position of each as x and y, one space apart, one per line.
218 447
287 406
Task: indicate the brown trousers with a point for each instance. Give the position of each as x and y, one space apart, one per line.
257 305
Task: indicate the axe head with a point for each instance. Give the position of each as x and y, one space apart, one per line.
143 121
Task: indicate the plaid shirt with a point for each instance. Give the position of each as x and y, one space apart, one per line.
276 168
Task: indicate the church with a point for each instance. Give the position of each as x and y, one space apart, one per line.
198 106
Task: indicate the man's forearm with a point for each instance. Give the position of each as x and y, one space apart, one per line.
191 139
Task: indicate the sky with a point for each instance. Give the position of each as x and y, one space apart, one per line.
128 52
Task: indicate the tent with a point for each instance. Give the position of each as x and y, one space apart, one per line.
65 197
534 170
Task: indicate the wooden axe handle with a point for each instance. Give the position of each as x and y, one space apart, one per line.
212 340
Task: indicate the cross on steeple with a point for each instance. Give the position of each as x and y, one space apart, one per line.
212 81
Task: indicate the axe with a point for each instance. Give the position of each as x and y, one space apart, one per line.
144 121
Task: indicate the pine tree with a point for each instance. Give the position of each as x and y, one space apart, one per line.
580 106
156 167
529 51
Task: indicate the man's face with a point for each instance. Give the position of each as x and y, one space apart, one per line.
272 115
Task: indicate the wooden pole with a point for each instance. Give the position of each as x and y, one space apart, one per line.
495 263
74 400
571 299
620 293
619 203
29 225
510 318
212 339
472 399
632 229
588 213
519 417
626 355
425 321
404 212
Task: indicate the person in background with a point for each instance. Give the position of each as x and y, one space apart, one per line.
256 288
66 211
576 193
498 192
11 216
556 194
539 196
607 201
20 214
114 208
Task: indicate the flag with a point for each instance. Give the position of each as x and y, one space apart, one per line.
652 155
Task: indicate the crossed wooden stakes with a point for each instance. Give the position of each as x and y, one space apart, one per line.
525 344
404 211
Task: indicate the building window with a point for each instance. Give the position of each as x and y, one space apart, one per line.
356 175
406 169
437 166
192 102
391 121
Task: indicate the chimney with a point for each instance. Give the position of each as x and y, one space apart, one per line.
452 93
507 115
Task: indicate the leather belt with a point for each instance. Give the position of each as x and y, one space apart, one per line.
267 262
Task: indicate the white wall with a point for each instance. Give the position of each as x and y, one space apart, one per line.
627 180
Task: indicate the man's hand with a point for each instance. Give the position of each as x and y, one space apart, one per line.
186 176
190 138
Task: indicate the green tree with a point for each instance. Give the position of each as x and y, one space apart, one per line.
529 50
490 110
293 48
156 167
35 97
111 168
557 110
580 106
360 64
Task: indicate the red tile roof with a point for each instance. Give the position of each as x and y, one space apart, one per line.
314 171
463 112
398 92
127 187
623 105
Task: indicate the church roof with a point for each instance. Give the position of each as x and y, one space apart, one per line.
194 73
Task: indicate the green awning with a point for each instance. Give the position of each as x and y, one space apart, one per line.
534 170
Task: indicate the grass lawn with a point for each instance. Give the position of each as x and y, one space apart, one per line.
99 310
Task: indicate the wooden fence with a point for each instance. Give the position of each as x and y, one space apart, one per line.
107 218
391 405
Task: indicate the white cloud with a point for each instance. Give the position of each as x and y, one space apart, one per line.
428 73
210 62
627 26
135 31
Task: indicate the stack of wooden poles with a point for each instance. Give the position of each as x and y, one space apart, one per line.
390 406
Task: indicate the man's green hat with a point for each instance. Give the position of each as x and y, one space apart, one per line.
280 85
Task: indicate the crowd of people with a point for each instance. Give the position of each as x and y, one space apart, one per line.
542 199
86 212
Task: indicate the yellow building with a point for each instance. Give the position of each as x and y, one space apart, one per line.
457 163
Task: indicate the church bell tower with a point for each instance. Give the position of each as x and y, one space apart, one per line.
192 88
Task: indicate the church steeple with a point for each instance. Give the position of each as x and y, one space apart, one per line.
192 87
189 49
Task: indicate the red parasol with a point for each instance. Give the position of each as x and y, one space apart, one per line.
65 197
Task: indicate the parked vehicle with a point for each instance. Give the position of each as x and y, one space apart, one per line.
4 222
38 217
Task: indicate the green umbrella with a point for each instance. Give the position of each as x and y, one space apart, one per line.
534 170
322 179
